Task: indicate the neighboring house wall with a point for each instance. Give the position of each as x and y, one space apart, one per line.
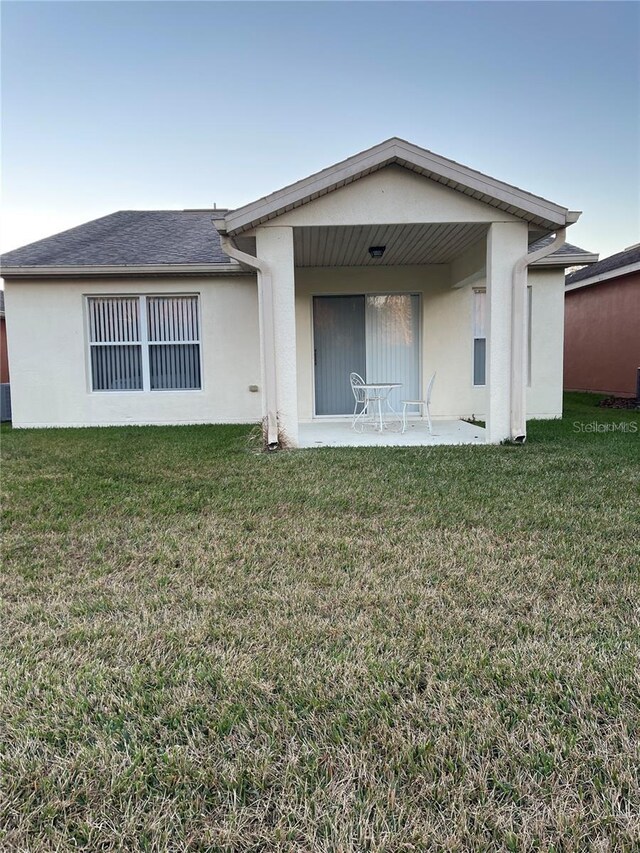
49 362
602 336
4 359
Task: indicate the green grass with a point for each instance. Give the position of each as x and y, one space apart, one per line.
204 648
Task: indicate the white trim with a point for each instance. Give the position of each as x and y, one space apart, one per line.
144 340
619 271
566 260
134 269
489 190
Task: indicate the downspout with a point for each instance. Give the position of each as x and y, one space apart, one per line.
519 335
268 338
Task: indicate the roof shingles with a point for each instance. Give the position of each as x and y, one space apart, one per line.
613 262
129 238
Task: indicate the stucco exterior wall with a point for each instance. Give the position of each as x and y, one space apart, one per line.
602 336
393 195
447 334
49 362
544 394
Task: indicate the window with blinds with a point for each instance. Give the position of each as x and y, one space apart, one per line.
144 343
479 337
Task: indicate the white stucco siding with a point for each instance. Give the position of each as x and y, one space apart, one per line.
275 248
50 382
506 244
544 396
393 195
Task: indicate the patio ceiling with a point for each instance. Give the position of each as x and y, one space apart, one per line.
347 246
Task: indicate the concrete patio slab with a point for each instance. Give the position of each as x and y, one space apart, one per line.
339 433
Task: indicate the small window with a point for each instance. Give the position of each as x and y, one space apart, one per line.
144 343
479 337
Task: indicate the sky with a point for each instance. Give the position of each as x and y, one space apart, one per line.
169 105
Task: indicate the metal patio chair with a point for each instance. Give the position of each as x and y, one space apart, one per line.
423 405
363 397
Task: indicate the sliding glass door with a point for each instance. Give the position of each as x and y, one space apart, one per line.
339 349
377 336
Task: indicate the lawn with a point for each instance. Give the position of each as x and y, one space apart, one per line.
205 648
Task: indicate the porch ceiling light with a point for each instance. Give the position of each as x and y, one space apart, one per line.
376 251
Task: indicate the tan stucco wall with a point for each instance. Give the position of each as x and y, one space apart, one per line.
48 355
544 396
447 340
391 195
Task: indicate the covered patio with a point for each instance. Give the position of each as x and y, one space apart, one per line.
398 265
339 433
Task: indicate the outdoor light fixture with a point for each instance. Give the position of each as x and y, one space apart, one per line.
376 251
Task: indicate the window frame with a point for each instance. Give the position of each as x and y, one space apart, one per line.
476 291
144 343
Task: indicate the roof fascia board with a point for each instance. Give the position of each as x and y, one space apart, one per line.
387 153
485 183
118 270
618 272
565 260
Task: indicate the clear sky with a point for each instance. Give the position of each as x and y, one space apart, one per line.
141 105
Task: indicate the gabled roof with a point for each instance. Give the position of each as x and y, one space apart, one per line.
622 263
532 208
567 255
167 239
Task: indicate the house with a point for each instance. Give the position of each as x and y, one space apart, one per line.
5 398
394 263
602 326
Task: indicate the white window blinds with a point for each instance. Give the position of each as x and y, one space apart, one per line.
115 343
144 343
479 337
174 342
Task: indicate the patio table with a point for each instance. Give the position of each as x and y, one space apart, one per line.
380 395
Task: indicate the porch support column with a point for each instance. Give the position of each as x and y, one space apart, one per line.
506 244
274 245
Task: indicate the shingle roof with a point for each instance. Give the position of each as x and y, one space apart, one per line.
565 249
613 262
129 238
